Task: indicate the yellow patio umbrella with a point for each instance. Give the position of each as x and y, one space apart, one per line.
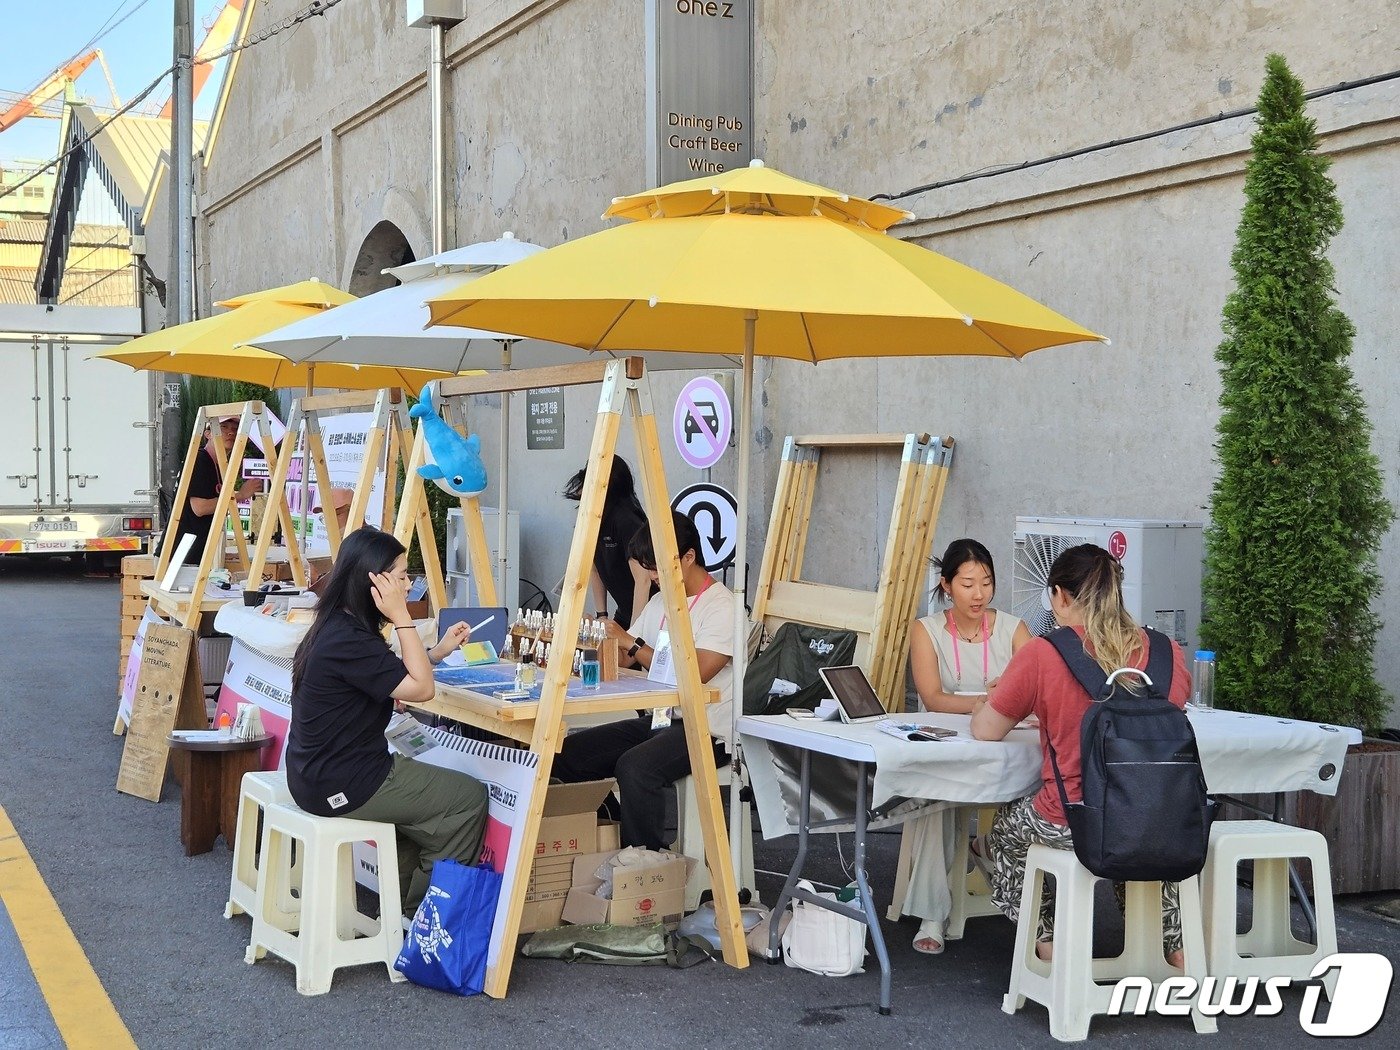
754 188
303 293
758 262
211 347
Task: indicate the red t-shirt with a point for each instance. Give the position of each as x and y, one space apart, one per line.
1038 682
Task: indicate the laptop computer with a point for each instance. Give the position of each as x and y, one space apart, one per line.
855 696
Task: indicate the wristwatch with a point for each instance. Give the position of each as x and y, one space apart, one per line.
637 643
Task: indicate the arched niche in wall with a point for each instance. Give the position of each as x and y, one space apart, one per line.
385 245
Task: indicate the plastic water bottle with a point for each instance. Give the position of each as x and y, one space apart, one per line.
1203 679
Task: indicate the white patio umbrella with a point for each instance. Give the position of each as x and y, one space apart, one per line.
389 327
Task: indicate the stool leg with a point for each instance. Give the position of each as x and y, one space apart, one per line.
1193 947
390 905
245 868
1071 965
1023 955
1271 932
318 912
1142 934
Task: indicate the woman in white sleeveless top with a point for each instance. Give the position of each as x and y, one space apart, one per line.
956 654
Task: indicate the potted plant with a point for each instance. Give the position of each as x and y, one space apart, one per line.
1297 511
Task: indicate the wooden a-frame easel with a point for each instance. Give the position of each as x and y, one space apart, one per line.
879 618
624 386
390 424
251 414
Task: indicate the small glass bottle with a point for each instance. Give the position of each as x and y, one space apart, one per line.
1203 679
527 670
591 671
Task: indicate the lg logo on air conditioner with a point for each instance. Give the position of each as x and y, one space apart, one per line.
1362 985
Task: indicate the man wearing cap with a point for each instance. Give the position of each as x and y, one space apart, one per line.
203 495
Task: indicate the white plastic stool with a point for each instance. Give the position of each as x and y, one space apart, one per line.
333 932
257 792
972 896
690 838
1269 948
1072 984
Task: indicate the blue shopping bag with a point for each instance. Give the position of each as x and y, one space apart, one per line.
450 936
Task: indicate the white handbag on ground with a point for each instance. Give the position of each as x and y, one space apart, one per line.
821 941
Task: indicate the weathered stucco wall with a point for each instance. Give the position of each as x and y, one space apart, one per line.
326 135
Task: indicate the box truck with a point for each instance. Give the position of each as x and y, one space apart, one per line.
77 437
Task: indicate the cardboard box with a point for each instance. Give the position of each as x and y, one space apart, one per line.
568 827
570 822
641 896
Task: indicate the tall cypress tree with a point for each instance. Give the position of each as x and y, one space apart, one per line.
1297 512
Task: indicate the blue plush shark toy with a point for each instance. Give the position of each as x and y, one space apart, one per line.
454 462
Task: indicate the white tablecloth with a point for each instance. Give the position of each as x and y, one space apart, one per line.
1240 753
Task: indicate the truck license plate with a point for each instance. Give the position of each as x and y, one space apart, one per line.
53 526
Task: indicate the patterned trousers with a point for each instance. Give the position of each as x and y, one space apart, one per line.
1015 830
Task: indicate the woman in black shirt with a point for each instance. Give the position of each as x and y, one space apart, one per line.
345 679
613 575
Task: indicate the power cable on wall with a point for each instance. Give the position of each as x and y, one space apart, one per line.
987 173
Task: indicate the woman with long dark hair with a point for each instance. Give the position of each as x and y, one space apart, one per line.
614 574
345 680
1086 594
956 656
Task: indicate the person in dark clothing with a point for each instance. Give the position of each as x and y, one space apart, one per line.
203 495
649 753
614 574
345 680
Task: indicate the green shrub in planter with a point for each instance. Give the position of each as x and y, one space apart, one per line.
1297 512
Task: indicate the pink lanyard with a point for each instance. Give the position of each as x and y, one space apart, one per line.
691 606
957 657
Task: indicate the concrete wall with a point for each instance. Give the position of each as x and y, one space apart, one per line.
326 134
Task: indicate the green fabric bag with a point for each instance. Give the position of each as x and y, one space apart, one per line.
617 945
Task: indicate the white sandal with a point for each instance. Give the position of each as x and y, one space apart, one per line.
930 930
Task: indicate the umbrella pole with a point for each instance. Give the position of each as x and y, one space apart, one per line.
503 511
741 586
302 541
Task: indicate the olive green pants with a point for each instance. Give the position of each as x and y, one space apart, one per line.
438 813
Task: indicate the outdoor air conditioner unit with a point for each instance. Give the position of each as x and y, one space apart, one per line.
1161 569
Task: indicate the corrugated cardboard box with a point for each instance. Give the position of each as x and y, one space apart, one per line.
641 896
568 827
570 822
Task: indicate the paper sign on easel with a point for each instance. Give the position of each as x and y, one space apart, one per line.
169 695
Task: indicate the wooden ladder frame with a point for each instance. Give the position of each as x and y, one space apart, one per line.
624 387
880 618
390 424
250 414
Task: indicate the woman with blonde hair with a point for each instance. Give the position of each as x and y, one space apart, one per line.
1086 594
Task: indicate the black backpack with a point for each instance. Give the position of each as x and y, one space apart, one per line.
1144 815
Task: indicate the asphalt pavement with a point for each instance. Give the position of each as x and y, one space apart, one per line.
151 920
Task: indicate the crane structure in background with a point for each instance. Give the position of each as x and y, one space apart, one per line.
59 85
219 35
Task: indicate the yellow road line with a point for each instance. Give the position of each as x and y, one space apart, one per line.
81 1010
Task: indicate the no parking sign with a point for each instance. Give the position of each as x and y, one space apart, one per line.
703 422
